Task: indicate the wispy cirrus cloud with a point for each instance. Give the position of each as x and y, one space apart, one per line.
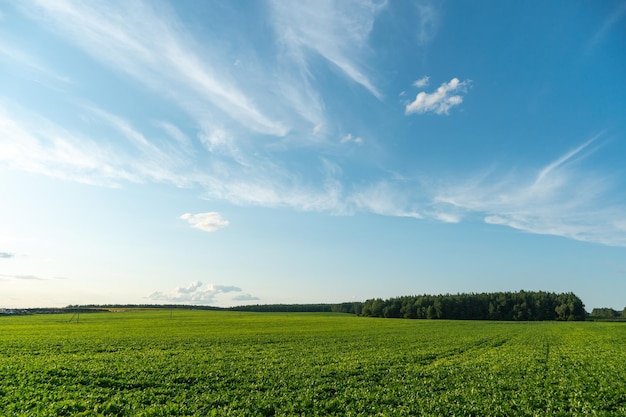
32 143
427 23
618 14
385 199
183 141
439 101
151 46
145 42
336 30
29 142
241 111
18 56
195 292
557 199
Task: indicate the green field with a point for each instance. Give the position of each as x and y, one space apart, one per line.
148 363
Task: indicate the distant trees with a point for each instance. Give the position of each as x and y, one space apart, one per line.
506 306
286 308
348 307
606 313
351 308
522 305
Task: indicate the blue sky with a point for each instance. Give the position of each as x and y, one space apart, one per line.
228 153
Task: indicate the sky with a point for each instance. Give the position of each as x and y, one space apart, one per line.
254 152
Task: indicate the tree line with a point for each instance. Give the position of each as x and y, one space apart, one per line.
522 305
287 308
607 313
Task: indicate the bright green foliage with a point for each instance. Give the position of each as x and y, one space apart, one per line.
142 363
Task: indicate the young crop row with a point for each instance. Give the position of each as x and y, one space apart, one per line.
247 364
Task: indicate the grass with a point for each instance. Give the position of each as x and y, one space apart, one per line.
142 363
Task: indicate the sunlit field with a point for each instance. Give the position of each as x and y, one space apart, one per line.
188 363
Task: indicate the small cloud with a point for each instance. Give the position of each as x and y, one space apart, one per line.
226 288
350 138
28 277
495 220
208 222
6 255
317 129
440 101
215 139
447 217
245 297
422 82
193 287
195 293
23 277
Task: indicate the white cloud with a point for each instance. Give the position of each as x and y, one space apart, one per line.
208 222
194 293
245 297
422 82
215 138
446 217
349 138
440 101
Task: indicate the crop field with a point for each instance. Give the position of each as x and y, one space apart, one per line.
208 363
